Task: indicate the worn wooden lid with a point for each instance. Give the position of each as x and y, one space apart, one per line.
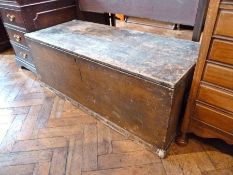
159 59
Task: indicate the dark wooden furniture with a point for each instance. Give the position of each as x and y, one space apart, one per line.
4 40
209 111
133 81
181 13
200 19
23 16
101 18
187 12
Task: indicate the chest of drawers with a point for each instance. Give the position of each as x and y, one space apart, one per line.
4 41
209 111
23 16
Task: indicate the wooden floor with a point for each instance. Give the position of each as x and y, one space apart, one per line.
42 134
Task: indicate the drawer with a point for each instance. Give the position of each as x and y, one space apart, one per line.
22 53
16 36
216 97
219 75
222 51
224 23
13 17
211 116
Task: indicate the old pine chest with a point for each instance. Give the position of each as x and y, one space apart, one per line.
133 81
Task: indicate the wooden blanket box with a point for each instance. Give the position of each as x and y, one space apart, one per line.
133 80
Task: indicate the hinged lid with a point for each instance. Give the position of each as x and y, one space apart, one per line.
160 59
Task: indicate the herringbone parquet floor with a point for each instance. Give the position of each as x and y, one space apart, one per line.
42 134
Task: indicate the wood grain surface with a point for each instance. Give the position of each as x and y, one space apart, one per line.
43 134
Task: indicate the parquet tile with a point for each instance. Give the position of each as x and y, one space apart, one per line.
20 169
43 134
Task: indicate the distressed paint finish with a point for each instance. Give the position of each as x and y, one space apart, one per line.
156 58
134 80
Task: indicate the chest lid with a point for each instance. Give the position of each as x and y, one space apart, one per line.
162 60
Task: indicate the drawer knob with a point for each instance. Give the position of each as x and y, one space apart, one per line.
11 17
24 55
17 38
